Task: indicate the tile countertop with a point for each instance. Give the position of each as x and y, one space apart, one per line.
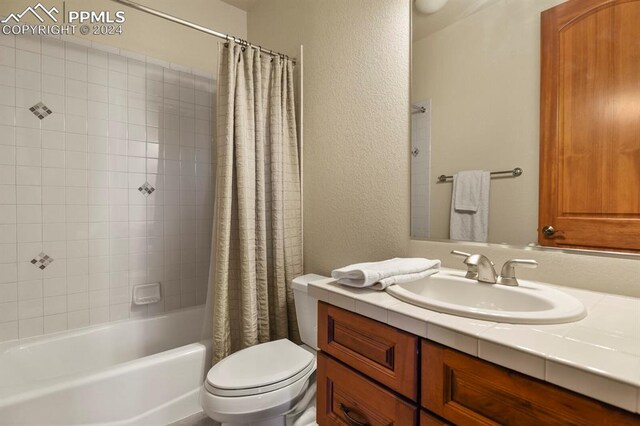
598 356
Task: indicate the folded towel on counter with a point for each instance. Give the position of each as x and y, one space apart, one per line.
380 275
470 206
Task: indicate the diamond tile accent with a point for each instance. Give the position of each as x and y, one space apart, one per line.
146 189
42 260
40 110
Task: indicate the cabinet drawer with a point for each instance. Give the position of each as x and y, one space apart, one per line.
469 391
427 419
381 352
345 397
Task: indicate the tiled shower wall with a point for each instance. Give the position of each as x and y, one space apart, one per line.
105 183
420 170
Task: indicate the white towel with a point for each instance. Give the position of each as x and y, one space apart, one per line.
380 275
470 206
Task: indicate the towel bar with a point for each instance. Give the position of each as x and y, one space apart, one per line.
515 173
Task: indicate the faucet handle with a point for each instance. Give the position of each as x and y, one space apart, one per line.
472 270
508 273
460 253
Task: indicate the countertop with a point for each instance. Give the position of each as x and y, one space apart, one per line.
598 356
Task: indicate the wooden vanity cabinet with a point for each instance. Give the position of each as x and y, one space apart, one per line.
382 352
349 398
470 391
370 373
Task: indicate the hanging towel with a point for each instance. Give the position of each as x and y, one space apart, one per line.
470 206
380 275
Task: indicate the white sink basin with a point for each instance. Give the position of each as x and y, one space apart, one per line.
529 303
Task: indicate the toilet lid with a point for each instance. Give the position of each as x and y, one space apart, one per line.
259 368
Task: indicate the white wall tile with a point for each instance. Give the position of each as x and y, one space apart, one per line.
7 115
8 292
7 155
28 156
27 60
30 327
29 194
68 184
7 135
76 71
75 53
7 75
31 308
29 80
28 290
7 95
78 319
53 66
8 214
55 323
8 271
7 56
8 331
31 214
97 58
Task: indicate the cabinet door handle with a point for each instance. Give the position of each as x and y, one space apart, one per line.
354 418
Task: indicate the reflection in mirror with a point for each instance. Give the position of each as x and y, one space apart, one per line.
475 106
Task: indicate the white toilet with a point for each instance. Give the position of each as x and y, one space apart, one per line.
271 383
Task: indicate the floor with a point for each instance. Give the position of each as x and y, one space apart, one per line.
199 419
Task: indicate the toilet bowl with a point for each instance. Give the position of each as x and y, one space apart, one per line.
271 383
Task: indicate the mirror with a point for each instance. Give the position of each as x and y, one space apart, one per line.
475 106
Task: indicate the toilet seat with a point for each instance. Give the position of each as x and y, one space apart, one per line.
260 369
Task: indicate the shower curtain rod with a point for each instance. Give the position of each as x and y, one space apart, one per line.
189 24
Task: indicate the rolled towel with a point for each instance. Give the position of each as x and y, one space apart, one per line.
380 275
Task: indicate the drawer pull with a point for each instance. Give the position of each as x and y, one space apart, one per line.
355 419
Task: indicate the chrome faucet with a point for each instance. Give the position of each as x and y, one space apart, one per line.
472 270
486 271
508 273
480 268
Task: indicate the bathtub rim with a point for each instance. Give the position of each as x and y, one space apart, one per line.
27 342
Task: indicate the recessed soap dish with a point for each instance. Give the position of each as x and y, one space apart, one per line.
146 294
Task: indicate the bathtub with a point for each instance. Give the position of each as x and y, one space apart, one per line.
146 371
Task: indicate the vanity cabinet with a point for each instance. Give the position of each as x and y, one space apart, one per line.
471 391
370 373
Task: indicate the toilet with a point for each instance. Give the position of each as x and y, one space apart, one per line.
270 384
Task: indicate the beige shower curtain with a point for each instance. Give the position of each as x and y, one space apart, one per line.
257 240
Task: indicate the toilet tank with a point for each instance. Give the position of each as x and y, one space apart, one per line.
306 309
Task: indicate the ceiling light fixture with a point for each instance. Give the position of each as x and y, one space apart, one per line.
429 6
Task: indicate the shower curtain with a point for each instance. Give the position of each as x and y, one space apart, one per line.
257 240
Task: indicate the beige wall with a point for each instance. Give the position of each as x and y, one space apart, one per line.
356 142
482 74
356 122
156 37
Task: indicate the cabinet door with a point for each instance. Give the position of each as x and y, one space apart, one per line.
469 391
348 398
590 125
380 351
427 419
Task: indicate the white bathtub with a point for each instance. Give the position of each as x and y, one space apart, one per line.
146 371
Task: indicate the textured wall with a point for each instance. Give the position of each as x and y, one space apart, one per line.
156 37
356 126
